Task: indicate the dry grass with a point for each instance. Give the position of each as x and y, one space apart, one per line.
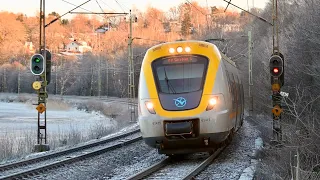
22 98
17 145
56 104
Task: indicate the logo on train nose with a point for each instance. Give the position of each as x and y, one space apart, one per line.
180 102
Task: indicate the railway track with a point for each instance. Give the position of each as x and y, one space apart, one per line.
42 163
171 168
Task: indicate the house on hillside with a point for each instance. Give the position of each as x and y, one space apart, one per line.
78 47
29 47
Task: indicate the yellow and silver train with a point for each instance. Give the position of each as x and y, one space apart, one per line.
190 97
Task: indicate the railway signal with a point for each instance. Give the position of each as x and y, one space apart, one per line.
276 64
37 64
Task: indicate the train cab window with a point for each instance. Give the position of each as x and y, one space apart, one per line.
180 74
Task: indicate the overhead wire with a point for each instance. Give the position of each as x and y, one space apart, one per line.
108 5
105 16
126 6
120 5
79 7
196 8
100 6
91 11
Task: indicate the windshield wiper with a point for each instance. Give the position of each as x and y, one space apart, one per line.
170 87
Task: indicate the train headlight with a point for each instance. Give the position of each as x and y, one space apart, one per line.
179 49
171 50
212 103
187 49
150 107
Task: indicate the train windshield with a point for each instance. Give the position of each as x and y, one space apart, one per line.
180 74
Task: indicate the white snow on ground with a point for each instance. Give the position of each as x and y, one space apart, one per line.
248 173
15 117
18 121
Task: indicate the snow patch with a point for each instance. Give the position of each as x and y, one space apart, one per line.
248 173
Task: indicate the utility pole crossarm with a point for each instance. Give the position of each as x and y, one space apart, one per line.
97 13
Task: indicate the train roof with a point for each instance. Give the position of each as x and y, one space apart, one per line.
224 57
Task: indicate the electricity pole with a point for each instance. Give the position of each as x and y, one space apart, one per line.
99 73
250 47
19 77
277 75
131 85
38 66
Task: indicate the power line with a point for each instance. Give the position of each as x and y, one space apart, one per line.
99 6
108 6
76 5
120 6
54 20
262 19
227 5
99 14
196 8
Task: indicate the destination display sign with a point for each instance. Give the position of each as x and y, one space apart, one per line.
179 59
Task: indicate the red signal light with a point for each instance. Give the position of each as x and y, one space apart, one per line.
275 70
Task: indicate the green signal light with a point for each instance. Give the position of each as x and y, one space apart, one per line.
37 60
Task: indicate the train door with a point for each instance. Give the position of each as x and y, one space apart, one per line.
242 93
242 102
238 102
236 94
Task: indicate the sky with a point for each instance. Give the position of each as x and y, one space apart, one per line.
30 7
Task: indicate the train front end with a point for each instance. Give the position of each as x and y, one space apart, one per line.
181 101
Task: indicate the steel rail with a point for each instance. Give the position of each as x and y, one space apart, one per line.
56 164
204 164
70 160
64 152
156 167
150 170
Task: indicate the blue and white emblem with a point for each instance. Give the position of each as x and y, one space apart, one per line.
180 102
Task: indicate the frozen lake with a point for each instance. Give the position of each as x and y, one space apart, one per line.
18 117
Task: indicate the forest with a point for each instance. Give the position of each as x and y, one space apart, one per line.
78 75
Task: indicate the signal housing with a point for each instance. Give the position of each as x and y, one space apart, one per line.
37 64
276 66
